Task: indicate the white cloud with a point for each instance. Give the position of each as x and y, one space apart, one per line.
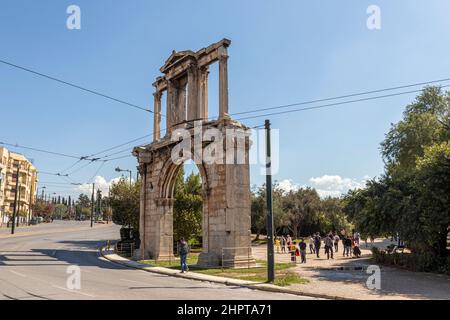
335 185
288 185
100 183
326 185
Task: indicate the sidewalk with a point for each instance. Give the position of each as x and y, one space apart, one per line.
346 277
340 278
109 255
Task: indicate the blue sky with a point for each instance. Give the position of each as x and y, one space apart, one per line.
282 52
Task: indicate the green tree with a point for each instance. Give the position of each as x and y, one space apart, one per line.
124 199
258 211
412 197
302 206
61 211
187 210
43 209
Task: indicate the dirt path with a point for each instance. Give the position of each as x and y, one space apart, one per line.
347 277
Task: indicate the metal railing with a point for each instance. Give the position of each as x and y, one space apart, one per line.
239 255
125 249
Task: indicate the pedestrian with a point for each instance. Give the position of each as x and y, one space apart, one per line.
317 240
356 250
343 238
289 240
283 244
311 245
329 246
302 247
372 240
356 237
336 242
347 246
277 244
183 250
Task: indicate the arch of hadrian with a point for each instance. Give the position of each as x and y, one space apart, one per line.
226 187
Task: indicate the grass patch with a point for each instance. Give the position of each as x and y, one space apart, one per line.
284 276
289 278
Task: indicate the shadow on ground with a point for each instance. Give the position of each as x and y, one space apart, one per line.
394 282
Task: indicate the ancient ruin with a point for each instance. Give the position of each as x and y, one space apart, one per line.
226 187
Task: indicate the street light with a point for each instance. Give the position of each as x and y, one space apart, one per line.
124 170
43 192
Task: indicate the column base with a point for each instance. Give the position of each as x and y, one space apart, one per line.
208 260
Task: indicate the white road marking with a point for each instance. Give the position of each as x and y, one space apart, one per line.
139 282
74 291
18 273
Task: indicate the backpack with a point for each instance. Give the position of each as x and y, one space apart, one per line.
184 249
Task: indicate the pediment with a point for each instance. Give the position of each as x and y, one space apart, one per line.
176 56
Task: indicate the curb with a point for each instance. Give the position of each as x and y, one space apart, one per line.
214 279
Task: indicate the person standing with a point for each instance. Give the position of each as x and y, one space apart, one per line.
277 244
347 246
356 237
329 246
317 240
283 244
302 247
311 244
336 242
289 241
183 250
343 238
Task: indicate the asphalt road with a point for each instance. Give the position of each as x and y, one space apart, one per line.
34 264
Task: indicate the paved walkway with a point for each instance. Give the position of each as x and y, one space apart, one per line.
346 277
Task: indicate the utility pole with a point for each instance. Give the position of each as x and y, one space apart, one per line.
18 211
92 205
270 253
13 226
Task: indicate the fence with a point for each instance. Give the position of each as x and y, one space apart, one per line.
237 256
125 249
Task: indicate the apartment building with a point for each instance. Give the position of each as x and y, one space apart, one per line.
10 162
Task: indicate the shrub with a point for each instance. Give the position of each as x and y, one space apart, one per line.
424 262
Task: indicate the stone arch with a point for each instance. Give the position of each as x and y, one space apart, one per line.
226 186
169 174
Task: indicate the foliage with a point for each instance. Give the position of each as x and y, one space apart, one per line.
61 211
298 212
124 200
187 211
259 212
412 198
302 207
43 209
425 262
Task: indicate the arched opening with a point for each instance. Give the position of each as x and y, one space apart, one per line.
188 207
185 186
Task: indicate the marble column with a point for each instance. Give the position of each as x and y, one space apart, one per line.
171 104
193 106
157 117
223 86
204 93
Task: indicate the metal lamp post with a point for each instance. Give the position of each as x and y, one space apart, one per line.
124 170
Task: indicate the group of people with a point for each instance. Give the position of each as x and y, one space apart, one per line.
350 245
